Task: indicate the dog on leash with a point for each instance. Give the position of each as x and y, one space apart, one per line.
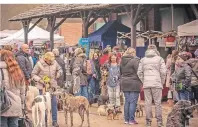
139 110
102 110
180 114
40 105
32 92
113 112
78 104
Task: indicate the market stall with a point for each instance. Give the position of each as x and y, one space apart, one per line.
6 33
188 34
36 34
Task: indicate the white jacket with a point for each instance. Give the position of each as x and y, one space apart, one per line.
152 70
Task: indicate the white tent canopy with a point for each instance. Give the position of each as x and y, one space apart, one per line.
6 33
36 34
188 29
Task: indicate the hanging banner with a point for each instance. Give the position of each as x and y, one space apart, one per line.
84 42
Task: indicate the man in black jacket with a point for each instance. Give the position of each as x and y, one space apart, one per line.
130 84
24 62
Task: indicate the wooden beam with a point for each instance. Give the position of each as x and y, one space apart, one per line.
57 25
105 20
92 21
137 13
35 24
194 9
128 11
26 24
144 14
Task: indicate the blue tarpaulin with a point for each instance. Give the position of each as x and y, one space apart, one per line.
107 34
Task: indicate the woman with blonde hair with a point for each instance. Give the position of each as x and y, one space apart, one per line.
48 67
130 84
13 80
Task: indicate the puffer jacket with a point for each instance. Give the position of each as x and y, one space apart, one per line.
183 74
152 70
129 78
16 94
194 65
80 69
42 69
24 63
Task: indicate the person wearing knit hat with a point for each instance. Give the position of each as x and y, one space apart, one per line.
182 76
78 51
130 84
79 73
193 63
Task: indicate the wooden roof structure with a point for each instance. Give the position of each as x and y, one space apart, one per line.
89 13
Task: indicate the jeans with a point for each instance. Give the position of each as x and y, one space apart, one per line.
97 86
131 99
91 89
54 107
83 91
9 121
184 95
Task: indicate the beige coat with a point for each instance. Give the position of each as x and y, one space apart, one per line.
42 69
14 93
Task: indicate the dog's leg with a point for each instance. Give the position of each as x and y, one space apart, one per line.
87 112
81 113
71 117
66 117
34 115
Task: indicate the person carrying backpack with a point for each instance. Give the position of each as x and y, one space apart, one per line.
79 73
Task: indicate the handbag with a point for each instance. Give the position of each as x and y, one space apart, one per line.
5 102
25 121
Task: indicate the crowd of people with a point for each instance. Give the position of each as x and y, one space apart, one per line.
127 74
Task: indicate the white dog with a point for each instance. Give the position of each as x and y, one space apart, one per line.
31 94
40 105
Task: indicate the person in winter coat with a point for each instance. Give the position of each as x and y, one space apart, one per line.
113 80
97 73
61 62
47 66
130 84
193 63
94 77
25 64
14 83
79 74
182 76
152 73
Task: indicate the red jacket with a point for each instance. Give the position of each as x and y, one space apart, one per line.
103 59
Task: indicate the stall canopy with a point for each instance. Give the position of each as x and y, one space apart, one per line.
188 29
36 34
108 33
6 33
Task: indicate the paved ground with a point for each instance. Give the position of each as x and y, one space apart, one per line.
101 121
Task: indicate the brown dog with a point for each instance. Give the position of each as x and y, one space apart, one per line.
78 104
139 109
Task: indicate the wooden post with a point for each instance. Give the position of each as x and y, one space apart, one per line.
133 29
51 25
26 24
